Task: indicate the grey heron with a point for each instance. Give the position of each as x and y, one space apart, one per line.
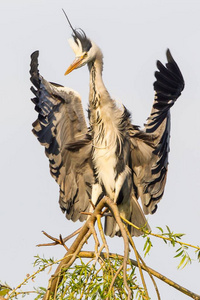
112 157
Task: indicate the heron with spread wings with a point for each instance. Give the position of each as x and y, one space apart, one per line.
112 157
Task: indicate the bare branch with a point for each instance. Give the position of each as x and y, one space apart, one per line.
75 248
113 207
139 256
154 283
62 243
138 261
105 245
57 241
81 239
114 278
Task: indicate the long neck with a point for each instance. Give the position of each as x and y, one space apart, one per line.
103 114
98 93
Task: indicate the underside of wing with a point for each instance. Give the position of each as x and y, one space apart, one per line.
150 147
62 130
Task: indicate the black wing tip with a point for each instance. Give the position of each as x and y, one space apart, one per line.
170 59
169 77
34 61
169 56
173 66
35 54
34 69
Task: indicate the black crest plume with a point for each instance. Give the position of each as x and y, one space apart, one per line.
80 35
69 21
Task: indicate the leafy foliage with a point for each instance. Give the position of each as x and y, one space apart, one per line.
92 280
100 277
172 237
181 252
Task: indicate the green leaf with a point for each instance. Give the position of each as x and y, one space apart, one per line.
4 291
168 229
179 235
147 246
182 262
179 254
160 229
198 255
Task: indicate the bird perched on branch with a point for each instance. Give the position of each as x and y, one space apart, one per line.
112 157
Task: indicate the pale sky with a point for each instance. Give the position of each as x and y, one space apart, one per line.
132 35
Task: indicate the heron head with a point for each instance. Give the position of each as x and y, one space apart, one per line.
84 49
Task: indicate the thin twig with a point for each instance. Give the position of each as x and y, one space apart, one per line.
32 276
152 279
158 235
102 234
95 238
86 213
92 204
72 235
138 261
114 278
57 241
65 264
88 277
113 207
62 243
144 264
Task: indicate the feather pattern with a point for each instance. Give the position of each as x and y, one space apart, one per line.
150 147
62 130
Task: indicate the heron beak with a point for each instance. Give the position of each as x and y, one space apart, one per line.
76 64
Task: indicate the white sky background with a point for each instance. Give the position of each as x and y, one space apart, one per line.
132 36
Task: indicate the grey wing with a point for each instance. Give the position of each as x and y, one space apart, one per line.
62 130
150 147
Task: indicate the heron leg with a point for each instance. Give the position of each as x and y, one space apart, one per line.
120 181
96 192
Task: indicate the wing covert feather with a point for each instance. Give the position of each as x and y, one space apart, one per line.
61 128
150 147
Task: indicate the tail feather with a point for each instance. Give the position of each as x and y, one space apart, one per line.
137 218
111 228
134 214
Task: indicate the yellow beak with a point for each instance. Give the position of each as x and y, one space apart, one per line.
76 63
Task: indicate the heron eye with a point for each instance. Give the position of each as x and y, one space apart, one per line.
85 55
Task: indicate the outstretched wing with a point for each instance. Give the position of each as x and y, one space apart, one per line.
150 147
62 130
